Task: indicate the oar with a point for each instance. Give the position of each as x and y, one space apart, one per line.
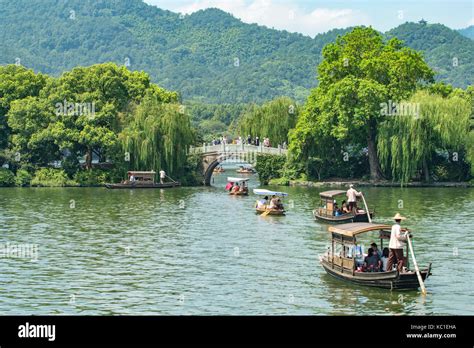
366 208
420 280
170 178
266 212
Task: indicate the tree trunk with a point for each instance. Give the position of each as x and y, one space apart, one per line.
426 170
374 163
89 159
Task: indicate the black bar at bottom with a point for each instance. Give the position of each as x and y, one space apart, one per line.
287 330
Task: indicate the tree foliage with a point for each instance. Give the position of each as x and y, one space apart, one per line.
359 73
408 143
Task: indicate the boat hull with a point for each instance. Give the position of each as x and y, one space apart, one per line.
343 219
272 212
386 280
238 193
142 186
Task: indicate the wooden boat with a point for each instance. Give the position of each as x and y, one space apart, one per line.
242 182
142 180
245 170
341 263
265 210
218 170
326 212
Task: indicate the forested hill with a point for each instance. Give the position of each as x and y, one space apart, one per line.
209 55
468 32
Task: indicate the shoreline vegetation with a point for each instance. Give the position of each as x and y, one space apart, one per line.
377 116
361 183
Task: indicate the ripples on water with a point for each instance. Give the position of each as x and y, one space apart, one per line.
199 251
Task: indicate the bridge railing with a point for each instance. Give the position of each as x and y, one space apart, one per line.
223 148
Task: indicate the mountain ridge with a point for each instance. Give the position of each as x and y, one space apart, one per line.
208 56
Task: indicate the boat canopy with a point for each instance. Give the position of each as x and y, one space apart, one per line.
332 193
355 228
141 173
269 193
230 179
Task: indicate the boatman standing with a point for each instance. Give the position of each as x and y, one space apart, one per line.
396 245
162 176
352 195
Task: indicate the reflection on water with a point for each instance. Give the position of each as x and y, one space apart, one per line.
200 251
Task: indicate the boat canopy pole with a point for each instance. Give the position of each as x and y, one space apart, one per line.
420 280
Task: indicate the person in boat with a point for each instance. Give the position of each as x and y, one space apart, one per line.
162 176
384 259
243 188
229 185
262 203
396 245
236 188
372 262
376 249
279 204
273 203
337 211
344 207
352 195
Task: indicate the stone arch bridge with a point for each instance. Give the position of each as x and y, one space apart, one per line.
213 155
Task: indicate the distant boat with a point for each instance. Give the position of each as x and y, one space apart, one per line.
343 260
141 180
219 170
241 182
245 170
326 211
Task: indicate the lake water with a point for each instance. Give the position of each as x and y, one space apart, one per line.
200 251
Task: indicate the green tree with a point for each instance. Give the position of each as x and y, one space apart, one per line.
407 143
358 75
158 136
273 119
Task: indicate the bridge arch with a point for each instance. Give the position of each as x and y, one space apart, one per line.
213 155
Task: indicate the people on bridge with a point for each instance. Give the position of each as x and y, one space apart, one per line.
249 139
257 141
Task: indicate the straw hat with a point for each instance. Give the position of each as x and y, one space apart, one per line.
351 186
399 217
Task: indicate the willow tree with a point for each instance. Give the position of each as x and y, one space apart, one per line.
407 142
273 119
158 136
358 73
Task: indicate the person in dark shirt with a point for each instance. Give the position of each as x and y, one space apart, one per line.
372 262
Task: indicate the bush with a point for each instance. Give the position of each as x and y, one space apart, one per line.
6 177
269 167
50 177
94 177
22 178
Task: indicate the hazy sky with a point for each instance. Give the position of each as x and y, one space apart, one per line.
311 17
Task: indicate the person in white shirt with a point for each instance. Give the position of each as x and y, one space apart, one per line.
162 176
396 245
352 195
